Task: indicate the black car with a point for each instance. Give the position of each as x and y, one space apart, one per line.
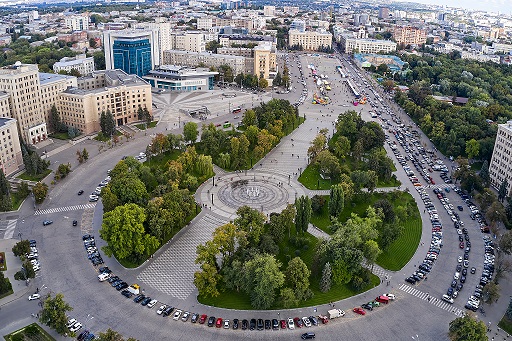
252 324
105 269
267 324
145 301
139 298
167 311
410 280
235 324
454 284
464 272
121 286
460 286
32 243
47 222
115 283
314 320
75 223
194 318
80 192
113 279
83 335
126 293
211 321
244 324
449 292
367 306
463 279
275 324
308 335
459 267
259 324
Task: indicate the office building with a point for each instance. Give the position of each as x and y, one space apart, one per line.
204 23
383 13
237 40
409 35
298 25
349 44
77 22
238 64
21 83
112 90
188 41
84 65
310 40
165 40
52 85
11 159
133 51
265 62
181 78
500 168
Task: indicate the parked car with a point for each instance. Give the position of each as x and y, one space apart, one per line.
359 310
211 321
47 222
202 319
291 325
34 297
308 335
177 315
194 318
161 309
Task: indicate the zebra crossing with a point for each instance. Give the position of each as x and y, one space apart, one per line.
433 300
440 186
65 209
7 227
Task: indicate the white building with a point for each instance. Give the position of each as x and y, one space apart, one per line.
81 63
349 44
164 29
188 41
77 22
269 11
310 40
500 168
179 78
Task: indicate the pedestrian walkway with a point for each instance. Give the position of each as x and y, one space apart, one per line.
432 300
315 231
7 227
64 209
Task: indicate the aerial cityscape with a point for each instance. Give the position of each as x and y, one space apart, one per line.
225 170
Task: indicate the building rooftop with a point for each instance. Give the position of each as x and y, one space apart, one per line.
69 61
45 78
225 56
165 71
5 120
113 78
247 37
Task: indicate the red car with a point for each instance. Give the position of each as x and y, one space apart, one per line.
461 245
202 320
283 324
298 322
218 324
359 310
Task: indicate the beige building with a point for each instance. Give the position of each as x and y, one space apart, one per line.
77 22
52 86
21 82
188 41
112 90
265 64
349 44
310 40
204 23
500 168
269 11
409 35
10 150
186 58
234 40
81 63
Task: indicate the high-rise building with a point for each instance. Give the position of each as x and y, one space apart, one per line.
409 35
499 168
383 13
133 51
52 85
164 29
21 83
77 22
310 40
265 61
10 149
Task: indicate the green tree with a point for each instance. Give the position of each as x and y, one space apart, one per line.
6 203
190 132
207 280
251 222
277 81
467 328
491 293
5 285
287 218
54 120
328 165
107 123
484 173
336 201
303 216
502 191
40 191
124 232
85 154
342 147
263 279
129 189
54 313
92 43
262 83
288 298
21 248
297 277
325 281
212 46
317 145
472 148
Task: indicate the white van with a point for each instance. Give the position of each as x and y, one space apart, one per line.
103 277
448 299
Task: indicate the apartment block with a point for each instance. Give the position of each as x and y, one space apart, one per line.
188 41
204 23
310 40
409 35
500 168
349 44
104 90
77 22
269 11
10 149
52 85
81 63
21 82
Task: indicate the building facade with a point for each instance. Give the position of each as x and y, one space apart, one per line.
179 78
349 44
112 90
77 22
81 63
188 41
500 168
133 51
52 86
21 82
11 159
310 40
185 58
409 35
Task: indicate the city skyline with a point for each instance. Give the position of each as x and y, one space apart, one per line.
501 6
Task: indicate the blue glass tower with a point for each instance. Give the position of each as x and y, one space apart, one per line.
133 56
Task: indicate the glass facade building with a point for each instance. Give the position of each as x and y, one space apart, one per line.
133 56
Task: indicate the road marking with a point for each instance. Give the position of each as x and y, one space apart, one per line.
9 231
65 209
433 300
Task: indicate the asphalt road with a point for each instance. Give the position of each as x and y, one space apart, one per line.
65 268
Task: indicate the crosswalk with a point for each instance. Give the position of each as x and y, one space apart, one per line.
433 300
440 186
65 209
8 227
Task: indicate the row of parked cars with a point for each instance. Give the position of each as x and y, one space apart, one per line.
33 256
382 299
92 251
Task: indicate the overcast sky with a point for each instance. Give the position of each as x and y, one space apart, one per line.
502 6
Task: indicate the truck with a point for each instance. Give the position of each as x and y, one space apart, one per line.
134 289
335 313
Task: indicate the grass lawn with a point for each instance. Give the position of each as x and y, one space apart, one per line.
39 177
60 136
476 166
36 333
5 294
3 264
505 324
161 159
142 126
402 249
322 219
311 179
16 201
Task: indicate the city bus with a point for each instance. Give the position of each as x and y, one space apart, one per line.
237 110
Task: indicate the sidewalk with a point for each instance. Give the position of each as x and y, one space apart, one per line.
13 265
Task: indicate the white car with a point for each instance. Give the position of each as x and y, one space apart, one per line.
152 303
161 309
291 325
306 321
456 276
71 322
390 296
226 324
34 297
177 315
459 259
76 327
